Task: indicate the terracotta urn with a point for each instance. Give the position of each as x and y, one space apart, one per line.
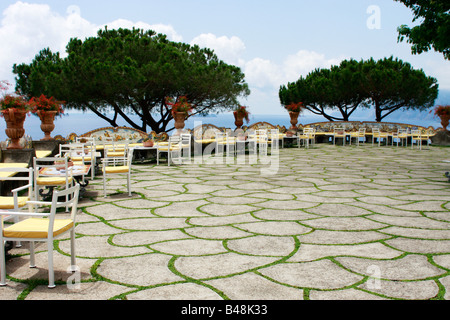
238 120
179 118
47 123
294 119
444 122
14 127
148 143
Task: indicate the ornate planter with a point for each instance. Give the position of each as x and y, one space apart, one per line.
148 143
47 122
444 122
238 120
179 118
294 119
14 127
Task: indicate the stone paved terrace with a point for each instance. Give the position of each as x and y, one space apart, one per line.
333 223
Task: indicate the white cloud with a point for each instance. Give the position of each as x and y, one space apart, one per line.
159 28
227 49
28 28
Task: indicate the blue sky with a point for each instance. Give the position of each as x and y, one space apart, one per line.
274 42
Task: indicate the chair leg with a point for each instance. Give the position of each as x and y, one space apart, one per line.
51 273
129 184
2 263
72 250
104 184
32 257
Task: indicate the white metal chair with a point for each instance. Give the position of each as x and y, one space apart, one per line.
43 227
339 133
377 134
117 165
173 149
361 133
399 136
12 201
80 154
186 144
53 172
225 142
416 137
273 136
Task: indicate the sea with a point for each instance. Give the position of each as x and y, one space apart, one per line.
81 122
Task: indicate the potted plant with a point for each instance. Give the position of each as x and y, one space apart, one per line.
14 109
46 109
180 110
148 141
294 110
443 112
240 114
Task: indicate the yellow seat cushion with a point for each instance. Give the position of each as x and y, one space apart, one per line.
167 149
52 181
117 169
79 159
36 228
8 202
116 154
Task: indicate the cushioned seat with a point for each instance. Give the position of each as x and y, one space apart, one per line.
37 228
52 181
7 203
117 169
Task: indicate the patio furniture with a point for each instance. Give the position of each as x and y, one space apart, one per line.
361 133
377 134
339 133
186 139
51 173
225 142
42 227
12 201
117 165
400 135
416 138
173 147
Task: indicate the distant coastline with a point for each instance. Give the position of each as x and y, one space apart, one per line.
79 123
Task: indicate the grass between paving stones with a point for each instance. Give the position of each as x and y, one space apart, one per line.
331 168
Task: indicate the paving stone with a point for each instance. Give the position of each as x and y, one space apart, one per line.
420 246
182 209
134 270
98 247
281 214
412 222
418 233
263 246
150 224
281 228
180 291
250 286
189 247
311 252
337 237
411 267
344 224
411 290
338 210
322 274
346 294
226 209
220 232
219 265
86 291
141 238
